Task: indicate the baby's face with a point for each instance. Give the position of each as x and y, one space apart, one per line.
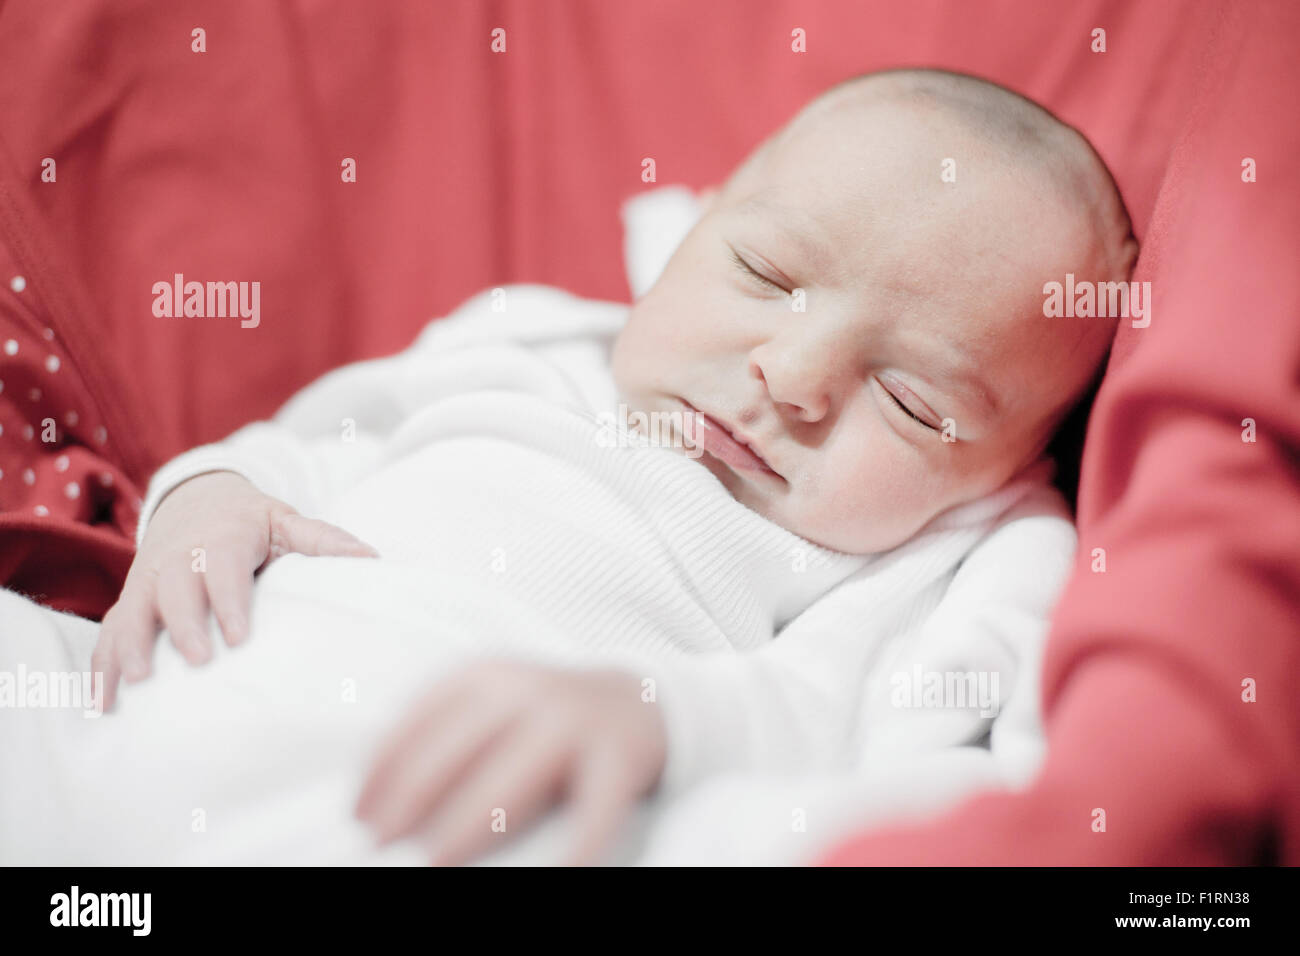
920 373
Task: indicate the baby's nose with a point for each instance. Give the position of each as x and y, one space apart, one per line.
800 392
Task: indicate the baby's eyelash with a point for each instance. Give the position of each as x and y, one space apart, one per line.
751 272
907 411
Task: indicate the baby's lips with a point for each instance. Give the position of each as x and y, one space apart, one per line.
717 440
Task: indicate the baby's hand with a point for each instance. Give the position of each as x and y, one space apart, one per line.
515 737
239 530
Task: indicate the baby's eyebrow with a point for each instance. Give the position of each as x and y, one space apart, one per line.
784 218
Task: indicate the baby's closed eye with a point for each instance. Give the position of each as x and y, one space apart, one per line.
753 275
905 409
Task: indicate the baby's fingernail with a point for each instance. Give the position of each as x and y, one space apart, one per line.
133 667
236 631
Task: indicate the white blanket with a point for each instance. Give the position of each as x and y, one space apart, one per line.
251 760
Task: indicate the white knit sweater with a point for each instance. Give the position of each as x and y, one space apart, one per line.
471 461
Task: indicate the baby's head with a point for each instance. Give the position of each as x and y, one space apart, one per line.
922 305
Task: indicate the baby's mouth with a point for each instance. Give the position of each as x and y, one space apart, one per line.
720 441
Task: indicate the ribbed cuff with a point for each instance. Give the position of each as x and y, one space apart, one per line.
198 461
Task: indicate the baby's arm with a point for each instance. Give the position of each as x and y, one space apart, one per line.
323 440
208 538
217 514
332 433
822 698
229 507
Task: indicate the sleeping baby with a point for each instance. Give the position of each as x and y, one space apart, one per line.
757 522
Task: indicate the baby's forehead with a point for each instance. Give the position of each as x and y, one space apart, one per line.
951 147
907 128
896 219
841 191
949 106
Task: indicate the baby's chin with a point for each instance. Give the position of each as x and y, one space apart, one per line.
743 491
753 498
740 489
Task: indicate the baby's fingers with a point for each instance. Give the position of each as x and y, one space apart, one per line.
229 583
103 662
603 795
126 639
183 604
294 532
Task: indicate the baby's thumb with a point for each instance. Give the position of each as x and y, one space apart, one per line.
311 536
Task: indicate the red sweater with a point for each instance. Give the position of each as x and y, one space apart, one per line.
1170 681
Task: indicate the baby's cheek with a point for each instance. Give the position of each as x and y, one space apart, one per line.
638 358
658 334
872 497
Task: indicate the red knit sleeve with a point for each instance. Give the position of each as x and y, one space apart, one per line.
67 508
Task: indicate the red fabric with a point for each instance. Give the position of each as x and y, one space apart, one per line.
476 168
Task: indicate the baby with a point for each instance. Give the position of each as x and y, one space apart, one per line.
853 336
